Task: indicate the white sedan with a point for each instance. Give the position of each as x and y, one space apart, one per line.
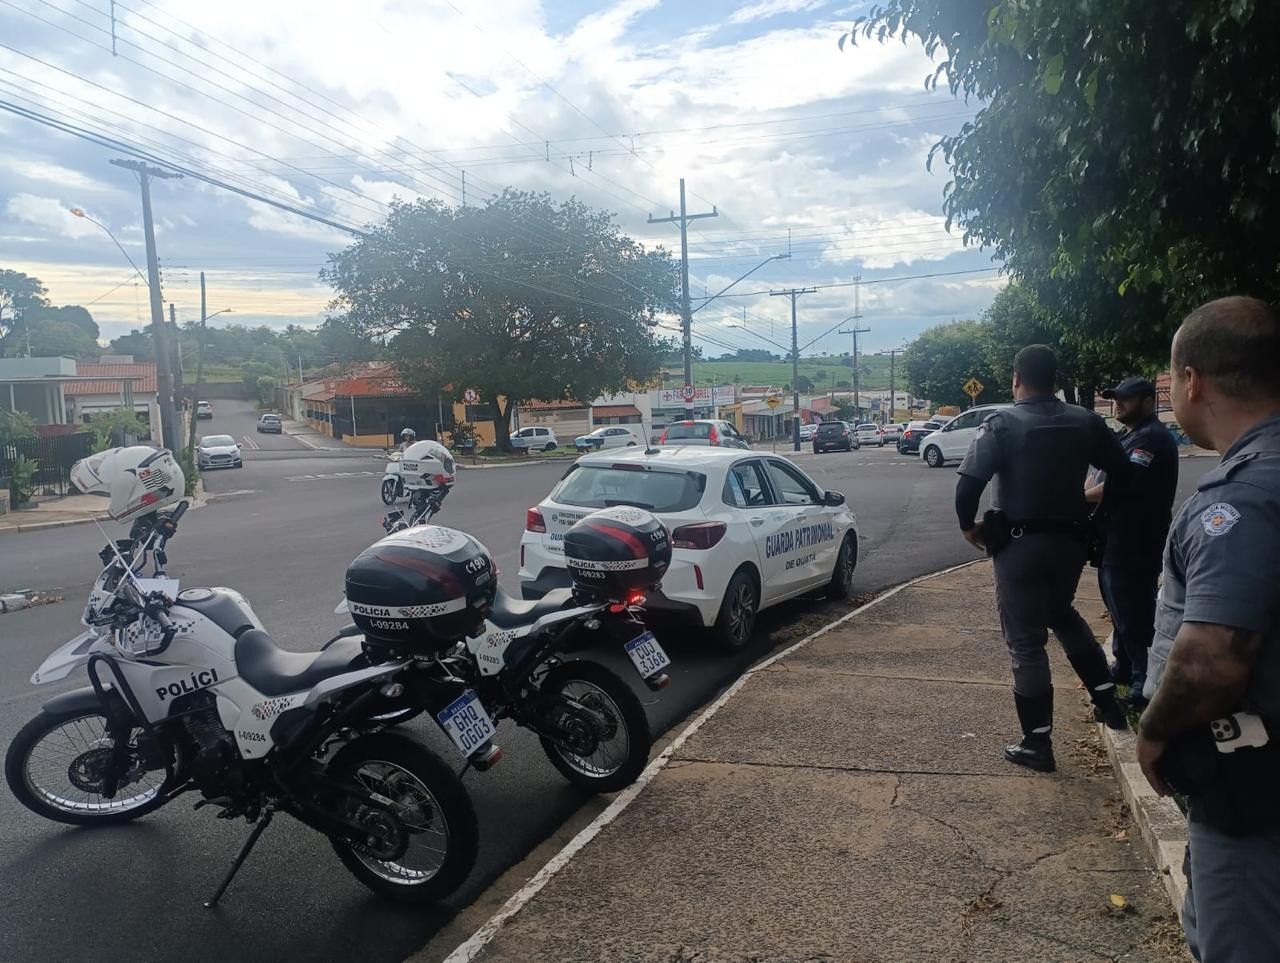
608 436
951 442
748 530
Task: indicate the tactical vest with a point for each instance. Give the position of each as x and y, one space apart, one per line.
1047 447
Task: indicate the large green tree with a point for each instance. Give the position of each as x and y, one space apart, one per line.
51 339
19 294
941 359
1125 159
68 313
523 298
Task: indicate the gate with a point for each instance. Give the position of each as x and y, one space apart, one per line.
54 457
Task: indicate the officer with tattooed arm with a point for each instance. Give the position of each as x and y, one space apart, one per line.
1212 727
1039 452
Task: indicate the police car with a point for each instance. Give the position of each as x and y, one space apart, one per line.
748 530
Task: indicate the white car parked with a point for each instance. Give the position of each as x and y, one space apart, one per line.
535 439
869 434
608 436
218 451
748 530
951 442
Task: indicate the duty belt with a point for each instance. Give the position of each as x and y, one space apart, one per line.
1048 525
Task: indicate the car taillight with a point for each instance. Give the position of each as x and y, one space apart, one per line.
713 438
700 536
845 433
663 439
534 522
906 434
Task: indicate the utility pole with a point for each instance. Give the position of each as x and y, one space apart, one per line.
195 389
177 370
893 358
686 316
794 293
855 331
165 382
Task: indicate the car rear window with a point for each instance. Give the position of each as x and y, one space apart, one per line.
831 426
603 486
270 417
698 431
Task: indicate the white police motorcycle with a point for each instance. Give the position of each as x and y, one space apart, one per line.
187 692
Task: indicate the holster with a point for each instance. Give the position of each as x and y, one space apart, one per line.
1096 538
1237 792
997 532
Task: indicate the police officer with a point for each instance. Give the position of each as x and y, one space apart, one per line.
1213 724
1134 527
1039 452
407 437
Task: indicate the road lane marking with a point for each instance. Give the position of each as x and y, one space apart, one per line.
250 443
335 474
473 947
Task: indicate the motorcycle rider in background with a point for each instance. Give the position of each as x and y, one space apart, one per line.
407 438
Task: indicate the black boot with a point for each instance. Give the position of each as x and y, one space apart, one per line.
1108 710
1091 666
1035 751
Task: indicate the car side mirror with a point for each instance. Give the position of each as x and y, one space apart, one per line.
834 499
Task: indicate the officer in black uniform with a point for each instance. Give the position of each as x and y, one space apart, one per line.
1039 451
1134 527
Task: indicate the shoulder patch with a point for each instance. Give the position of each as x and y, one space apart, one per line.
1219 518
1141 457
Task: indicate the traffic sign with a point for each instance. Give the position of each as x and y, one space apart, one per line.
973 387
773 401
471 396
688 393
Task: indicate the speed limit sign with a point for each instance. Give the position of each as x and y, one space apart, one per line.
471 396
688 393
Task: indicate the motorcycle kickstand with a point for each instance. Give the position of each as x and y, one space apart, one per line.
259 827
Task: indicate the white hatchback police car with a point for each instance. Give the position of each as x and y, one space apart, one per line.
748 530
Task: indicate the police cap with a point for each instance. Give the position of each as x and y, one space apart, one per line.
1131 388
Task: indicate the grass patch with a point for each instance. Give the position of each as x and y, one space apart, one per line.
825 373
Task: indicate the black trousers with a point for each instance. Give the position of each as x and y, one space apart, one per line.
1129 592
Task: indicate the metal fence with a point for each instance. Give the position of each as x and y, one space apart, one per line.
54 457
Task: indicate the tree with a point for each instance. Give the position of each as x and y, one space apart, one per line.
804 383
138 344
755 354
15 426
1124 164
111 428
522 298
19 293
941 359
70 313
50 339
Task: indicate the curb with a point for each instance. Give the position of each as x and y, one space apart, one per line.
198 500
475 945
516 463
1162 824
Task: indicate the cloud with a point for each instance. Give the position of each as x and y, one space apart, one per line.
772 8
51 214
49 173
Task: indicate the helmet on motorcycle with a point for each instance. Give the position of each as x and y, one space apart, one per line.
421 590
408 433
426 464
616 552
138 479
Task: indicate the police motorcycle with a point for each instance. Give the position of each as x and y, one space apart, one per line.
426 471
187 692
523 665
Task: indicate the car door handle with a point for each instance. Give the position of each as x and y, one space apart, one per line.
756 520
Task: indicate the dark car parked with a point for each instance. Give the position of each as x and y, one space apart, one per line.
913 434
834 436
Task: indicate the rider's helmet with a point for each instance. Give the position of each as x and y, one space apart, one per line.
139 480
427 464
615 553
408 433
421 590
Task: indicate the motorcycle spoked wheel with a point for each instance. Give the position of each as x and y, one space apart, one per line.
436 819
611 753
55 767
391 490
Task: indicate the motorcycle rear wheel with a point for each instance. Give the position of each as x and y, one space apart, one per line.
439 819
55 761
618 760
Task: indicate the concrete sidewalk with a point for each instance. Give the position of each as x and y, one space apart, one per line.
55 512
850 803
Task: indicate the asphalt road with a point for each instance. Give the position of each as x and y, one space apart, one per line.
282 530
239 420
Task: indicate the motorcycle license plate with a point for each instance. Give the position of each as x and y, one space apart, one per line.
466 723
647 655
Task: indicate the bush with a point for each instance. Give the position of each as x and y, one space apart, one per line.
190 469
463 435
14 426
22 481
110 427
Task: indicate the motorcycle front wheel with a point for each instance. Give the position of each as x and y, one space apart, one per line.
611 739
433 810
390 490
56 764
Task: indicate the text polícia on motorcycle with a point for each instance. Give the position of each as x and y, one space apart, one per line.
187 692
426 471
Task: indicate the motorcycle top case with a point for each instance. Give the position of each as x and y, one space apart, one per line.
421 590
613 553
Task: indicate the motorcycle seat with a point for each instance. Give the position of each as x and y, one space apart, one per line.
512 613
275 671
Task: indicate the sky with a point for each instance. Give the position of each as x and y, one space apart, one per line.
800 146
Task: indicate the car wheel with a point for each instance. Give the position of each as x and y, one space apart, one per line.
933 456
550 446
631 444
841 586
737 618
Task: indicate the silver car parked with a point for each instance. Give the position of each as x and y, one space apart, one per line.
218 451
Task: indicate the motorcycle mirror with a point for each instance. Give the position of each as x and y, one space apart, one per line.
342 608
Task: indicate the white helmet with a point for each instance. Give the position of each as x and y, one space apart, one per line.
427 464
139 479
408 433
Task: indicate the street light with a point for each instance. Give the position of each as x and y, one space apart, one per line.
706 301
80 213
